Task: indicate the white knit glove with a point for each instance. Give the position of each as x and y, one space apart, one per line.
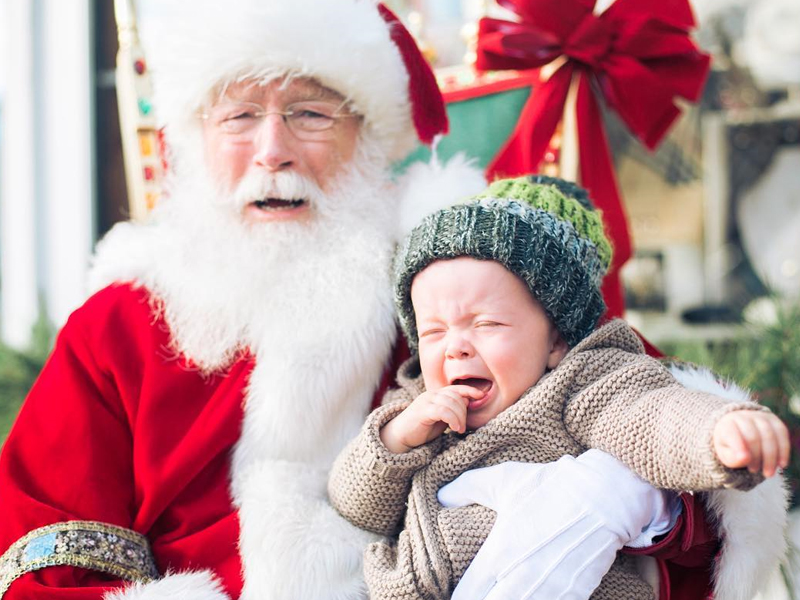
558 526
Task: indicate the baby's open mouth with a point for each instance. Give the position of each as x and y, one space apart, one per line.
479 383
275 204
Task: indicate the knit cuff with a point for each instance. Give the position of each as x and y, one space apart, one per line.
740 479
383 461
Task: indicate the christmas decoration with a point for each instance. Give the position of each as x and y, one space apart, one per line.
636 57
143 166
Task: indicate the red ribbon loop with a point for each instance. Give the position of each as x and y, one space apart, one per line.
590 42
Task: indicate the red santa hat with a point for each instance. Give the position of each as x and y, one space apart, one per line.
356 47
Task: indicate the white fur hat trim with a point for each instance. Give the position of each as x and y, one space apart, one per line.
344 44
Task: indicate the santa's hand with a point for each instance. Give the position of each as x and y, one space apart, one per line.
558 526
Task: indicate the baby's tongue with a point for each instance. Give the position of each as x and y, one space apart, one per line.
477 382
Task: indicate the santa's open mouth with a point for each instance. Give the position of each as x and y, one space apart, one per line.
479 383
278 204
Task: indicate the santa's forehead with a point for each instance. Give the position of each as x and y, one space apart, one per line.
287 85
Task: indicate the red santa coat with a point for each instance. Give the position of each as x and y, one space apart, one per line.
118 430
139 441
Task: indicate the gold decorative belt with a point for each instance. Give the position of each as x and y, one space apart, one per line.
88 544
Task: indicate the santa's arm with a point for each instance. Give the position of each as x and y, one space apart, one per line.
66 460
67 484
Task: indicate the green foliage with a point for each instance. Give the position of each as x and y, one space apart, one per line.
767 362
18 370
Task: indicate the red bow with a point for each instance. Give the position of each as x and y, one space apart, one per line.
637 54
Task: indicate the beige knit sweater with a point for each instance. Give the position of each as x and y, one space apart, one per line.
605 394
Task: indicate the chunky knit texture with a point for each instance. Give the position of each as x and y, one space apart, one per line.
553 242
605 394
569 188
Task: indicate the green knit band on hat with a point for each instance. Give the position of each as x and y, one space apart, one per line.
587 223
553 243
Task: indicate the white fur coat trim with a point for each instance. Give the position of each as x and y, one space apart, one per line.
752 525
298 415
293 544
303 405
344 44
199 585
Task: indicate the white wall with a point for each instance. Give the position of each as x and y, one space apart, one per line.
46 196
18 272
67 191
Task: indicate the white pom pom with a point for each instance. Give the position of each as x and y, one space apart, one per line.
428 187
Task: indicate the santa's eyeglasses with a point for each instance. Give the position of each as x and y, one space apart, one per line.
310 120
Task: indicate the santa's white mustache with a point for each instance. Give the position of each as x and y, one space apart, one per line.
287 186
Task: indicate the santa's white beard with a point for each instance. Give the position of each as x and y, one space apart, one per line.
231 285
312 301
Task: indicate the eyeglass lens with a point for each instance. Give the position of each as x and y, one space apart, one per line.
303 118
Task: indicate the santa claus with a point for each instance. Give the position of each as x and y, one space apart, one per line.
181 434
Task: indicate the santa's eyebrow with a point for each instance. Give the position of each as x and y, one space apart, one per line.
316 94
304 94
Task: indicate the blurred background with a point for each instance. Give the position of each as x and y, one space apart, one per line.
714 212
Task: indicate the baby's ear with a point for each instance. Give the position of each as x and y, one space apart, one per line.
558 351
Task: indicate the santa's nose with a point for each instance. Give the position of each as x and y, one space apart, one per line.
275 145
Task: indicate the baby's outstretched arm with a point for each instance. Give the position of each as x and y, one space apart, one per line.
756 440
428 416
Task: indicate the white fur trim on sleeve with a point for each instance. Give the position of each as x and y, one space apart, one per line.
428 187
701 379
199 585
752 526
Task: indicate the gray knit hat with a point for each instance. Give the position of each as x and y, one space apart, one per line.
544 230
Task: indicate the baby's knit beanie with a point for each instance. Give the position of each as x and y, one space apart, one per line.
542 229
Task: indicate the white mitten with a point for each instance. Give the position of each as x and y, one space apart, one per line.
559 525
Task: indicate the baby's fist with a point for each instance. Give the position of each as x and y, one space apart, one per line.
756 440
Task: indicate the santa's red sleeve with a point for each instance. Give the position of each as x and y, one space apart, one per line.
67 458
119 433
685 557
